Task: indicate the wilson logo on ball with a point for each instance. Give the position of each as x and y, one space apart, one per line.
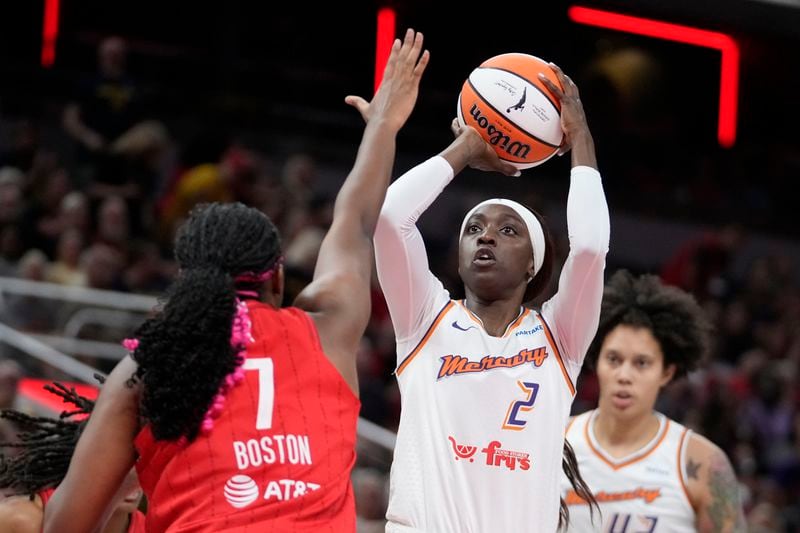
497 138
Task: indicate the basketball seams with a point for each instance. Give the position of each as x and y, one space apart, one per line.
517 126
491 82
535 85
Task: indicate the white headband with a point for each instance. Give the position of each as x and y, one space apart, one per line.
534 227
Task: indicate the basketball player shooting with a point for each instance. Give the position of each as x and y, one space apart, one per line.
486 383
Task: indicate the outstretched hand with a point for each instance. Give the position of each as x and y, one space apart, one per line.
398 91
573 118
480 155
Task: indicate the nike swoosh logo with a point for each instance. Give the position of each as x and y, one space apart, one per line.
455 325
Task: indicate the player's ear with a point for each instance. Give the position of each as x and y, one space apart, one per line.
668 374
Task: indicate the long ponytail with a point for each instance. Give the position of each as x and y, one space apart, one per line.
184 353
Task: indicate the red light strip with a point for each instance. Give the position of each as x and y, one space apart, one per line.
50 32
729 75
384 40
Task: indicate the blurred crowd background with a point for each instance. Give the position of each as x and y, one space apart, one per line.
152 108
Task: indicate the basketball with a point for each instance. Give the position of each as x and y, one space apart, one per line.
506 102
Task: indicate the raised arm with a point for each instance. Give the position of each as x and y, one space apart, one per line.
574 311
338 297
412 292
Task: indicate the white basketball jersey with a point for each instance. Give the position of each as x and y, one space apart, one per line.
482 427
642 493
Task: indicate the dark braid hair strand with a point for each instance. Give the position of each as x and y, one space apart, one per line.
45 444
184 352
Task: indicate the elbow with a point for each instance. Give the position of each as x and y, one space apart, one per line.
393 218
391 212
385 228
589 250
591 240
594 243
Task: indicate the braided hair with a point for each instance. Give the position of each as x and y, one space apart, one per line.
184 352
45 444
673 316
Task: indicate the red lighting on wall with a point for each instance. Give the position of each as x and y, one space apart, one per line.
50 32
729 75
384 40
32 390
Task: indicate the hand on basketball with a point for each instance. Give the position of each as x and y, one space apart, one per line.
480 155
573 118
397 94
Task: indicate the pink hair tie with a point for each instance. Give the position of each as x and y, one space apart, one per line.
259 277
207 425
130 344
252 294
241 336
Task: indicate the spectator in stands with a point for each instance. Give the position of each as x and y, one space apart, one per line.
66 269
106 105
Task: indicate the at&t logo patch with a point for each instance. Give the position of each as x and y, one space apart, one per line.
240 491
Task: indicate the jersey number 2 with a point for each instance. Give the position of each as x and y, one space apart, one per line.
512 420
266 390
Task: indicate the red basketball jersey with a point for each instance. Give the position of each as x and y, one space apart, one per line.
279 456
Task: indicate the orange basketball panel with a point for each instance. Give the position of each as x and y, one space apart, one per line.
528 67
511 142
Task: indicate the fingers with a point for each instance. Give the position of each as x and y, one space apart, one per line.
570 89
388 70
552 87
412 42
410 54
359 103
455 127
409 38
423 62
355 101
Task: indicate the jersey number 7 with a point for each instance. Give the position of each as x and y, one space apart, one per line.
266 389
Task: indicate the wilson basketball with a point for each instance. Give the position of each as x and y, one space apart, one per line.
505 100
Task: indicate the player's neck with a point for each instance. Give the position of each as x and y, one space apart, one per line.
622 436
494 315
272 300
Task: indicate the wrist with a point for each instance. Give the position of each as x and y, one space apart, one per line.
582 148
459 153
383 123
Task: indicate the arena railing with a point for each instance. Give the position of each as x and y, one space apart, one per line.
48 347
